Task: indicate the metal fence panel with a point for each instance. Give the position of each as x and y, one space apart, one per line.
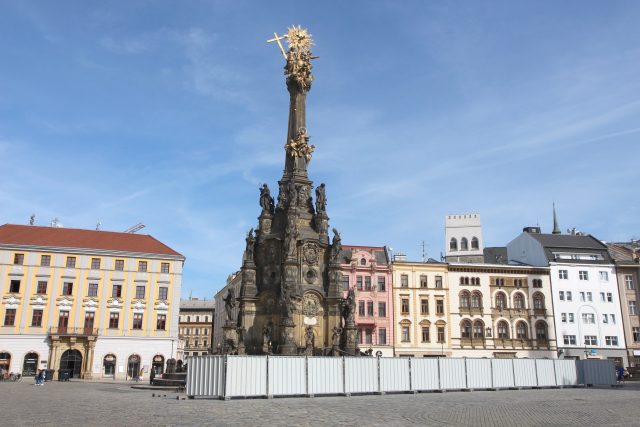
361 375
205 376
246 376
395 374
524 371
424 374
452 373
479 373
502 373
287 375
545 372
597 372
566 372
325 375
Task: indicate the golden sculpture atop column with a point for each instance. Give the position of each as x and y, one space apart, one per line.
298 66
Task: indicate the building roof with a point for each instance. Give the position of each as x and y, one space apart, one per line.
624 253
495 255
31 235
572 242
197 304
379 253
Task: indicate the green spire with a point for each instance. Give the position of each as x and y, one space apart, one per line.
556 229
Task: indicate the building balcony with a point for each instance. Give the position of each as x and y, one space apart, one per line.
73 332
471 310
511 312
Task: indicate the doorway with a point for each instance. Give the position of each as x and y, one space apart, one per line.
133 366
158 364
30 365
71 360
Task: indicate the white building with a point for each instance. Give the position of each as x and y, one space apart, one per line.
463 238
584 286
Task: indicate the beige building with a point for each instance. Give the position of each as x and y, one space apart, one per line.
501 311
196 326
95 304
421 308
627 261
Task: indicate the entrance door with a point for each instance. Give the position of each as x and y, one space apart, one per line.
5 362
72 361
109 365
158 364
133 366
30 365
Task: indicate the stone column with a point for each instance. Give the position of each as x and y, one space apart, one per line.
287 339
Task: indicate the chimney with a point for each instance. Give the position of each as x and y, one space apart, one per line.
531 230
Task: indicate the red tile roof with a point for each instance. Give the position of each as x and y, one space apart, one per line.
31 235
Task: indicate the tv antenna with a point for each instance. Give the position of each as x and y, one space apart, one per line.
139 226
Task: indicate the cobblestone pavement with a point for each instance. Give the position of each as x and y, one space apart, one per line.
92 403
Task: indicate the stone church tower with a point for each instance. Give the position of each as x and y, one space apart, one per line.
290 298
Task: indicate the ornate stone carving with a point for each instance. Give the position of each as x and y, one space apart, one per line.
251 240
229 304
310 253
266 201
299 146
282 196
336 246
321 199
311 306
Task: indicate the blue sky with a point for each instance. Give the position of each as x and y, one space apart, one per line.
172 113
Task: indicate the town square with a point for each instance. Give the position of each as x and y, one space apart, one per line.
418 215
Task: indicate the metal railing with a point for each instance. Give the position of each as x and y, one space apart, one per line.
63 330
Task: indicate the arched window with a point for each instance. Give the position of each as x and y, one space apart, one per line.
541 330
475 281
476 300
501 300
197 319
109 365
478 329
464 244
521 330
518 301
465 299
538 301
453 244
363 261
30 364
465 329
474 243
466 280
503 330
133 366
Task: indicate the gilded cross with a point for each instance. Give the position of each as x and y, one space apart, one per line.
277 39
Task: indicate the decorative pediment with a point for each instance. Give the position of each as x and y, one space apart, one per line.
161 306
65 302
138 305
90 304
39 300
11 301
115 303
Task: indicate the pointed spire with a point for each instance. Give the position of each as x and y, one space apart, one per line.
556 228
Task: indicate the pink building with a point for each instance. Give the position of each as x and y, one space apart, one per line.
367 269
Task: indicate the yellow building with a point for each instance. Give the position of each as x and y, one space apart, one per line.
421 308
95 303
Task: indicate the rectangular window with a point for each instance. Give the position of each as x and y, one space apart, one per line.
142 266
369 308
63 320
164 267
140 292
590 340
89 318
405 306
345 282
119 265
360 308
636 334
382 285
67 288
425 334
116 291
163 292
569 296
563 274
609 297
382 309
569 339
423 281
382 336
611 340
628 282
93 290
137 321
14 287
602 298
406 337
564 317
439 306
368 336
613 318
42 287
95 263
36 318
18 259
571 318
161 322
114 320
359 283
45 260
583 275
604 276
632 308
605 318
589 318
438 282
424 307
589 297
561 295
404 281
582 296
71 262
367 283
9 317
441 337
